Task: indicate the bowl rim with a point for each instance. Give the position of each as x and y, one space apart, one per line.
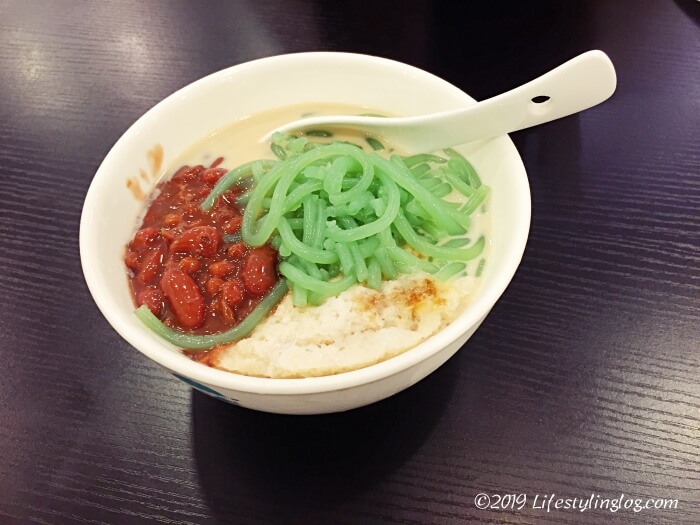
164 354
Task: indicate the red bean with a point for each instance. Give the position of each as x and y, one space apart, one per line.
144 238
195 223
186 195
200 240
217 162
232 293
221 268
151 266
169 235
222 214
236 251
133 261
202 193
189 211
190 264
226 311
213 285
172 219
186 173
152 298
184 298
233 225
259 270
212 175
179 174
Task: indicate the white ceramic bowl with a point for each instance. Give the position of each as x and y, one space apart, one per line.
111 211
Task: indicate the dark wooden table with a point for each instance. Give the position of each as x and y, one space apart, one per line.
582 383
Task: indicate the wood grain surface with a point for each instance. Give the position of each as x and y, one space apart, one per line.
584 380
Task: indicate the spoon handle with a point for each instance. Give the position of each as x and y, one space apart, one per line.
574 86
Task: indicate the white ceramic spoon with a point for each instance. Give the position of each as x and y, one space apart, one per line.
578 84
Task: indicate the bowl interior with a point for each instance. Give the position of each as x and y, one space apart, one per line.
111 211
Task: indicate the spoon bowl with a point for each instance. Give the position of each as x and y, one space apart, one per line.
576 85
